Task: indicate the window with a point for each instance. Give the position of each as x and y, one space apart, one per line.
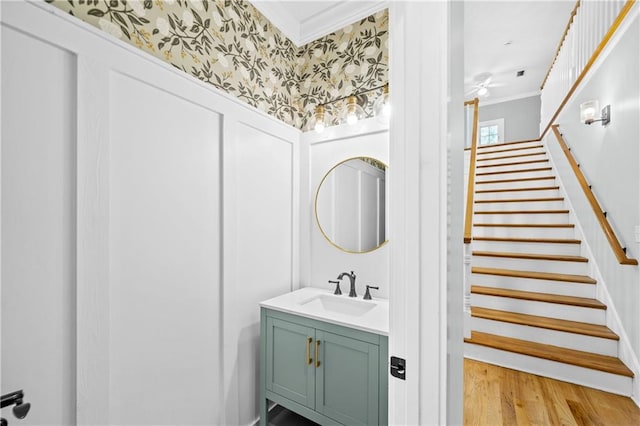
489 135
491 132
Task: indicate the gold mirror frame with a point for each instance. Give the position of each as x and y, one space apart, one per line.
315 206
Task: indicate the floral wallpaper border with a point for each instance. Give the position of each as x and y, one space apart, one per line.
232 46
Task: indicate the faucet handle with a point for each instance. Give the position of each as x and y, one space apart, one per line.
337 283
367 294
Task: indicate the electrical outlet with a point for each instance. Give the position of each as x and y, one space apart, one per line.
636 231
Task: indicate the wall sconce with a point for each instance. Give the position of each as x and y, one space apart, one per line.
382 106
320 118
352 112
588 112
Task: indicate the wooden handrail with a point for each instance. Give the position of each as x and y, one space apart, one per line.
472 171
564 36
602 219
603 43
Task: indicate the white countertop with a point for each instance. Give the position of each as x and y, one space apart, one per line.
368 315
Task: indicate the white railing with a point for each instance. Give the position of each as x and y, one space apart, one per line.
588 30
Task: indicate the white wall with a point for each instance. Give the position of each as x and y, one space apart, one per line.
260 248
150 213
521 117
325 262
608 157
38 227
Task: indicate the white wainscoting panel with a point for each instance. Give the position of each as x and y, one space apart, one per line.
38 227
186 213
164 256
260 241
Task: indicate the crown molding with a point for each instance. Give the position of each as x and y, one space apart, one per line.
278 15
327 21
331 19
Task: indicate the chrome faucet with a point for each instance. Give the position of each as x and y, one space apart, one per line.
352 279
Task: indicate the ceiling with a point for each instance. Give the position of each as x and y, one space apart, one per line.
501 37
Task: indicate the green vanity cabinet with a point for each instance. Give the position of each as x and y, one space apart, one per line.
328 373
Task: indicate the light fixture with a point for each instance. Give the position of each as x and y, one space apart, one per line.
320 119
382 106
352 112
589 109
482 91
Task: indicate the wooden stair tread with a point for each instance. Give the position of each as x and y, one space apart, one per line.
504 172
532 256
590 360
511 149
540 188
576 327
530 240
509 143
504 157
515 163
558 299
521 212
520 200
552 276
514 180
527 225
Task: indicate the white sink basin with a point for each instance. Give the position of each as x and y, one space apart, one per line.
323 305
339 305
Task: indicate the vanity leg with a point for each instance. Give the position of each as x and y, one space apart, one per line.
264 411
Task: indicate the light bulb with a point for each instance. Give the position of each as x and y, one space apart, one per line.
588 111
320 123
353 112
482 91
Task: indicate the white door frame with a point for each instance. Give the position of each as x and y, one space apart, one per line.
422 63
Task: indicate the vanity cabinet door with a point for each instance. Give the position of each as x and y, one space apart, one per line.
347 379
290 361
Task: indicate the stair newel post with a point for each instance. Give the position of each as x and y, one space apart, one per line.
471 122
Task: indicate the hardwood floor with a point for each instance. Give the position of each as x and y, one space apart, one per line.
499 396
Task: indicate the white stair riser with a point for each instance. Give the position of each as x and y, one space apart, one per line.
614 383
535 248
510 195
503 218
533 150
538 286
579 342
540 163
489 184
513 175
498 160
540 265
521 205
525 232
543 309
500 147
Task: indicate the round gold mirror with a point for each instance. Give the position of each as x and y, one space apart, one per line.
351 205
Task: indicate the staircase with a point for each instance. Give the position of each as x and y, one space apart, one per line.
534 305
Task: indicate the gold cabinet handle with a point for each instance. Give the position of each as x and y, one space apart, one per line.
309 360
317 349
